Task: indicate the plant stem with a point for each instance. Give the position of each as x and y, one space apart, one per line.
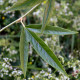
36 68
19 18
22 23
72 45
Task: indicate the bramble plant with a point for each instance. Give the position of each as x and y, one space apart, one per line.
28 33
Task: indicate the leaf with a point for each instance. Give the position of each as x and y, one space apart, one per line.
24 4
43 50
23 51
50 30
47 13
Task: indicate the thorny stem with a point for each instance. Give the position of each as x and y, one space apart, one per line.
19 18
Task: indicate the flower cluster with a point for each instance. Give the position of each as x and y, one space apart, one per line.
9 70
12 52
52 42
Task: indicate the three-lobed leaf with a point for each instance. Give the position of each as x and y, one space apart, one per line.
23 51
43 50
50 29
47 13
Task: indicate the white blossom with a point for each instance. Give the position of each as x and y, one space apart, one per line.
49 70
42 71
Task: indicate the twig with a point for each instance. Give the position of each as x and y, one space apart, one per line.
19 18
22 23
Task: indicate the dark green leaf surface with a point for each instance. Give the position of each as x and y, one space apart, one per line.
47 13
25 4
23 51
43 50
50 30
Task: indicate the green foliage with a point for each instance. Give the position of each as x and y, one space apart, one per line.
28 35
50 30
43 50
23 51
47 13
26 4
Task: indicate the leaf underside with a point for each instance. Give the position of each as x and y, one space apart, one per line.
43 50
50 30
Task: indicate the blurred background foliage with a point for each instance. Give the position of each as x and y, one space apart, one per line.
66 14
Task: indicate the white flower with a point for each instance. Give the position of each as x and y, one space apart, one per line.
67 4
51 19
74 68
49 70
5 59
10 75
3 64
12 1
70 56
8 63
13 52
66 7
50 76
10 60
19 72
36 13
70 13
46 74
6 66
57 5
56 78
42 71
7 7
10 67
8 49
37 76
60 12
5 71
54 19
14 72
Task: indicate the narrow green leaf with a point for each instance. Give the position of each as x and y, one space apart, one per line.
43 50
47 13
23 51
50 30
24 4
